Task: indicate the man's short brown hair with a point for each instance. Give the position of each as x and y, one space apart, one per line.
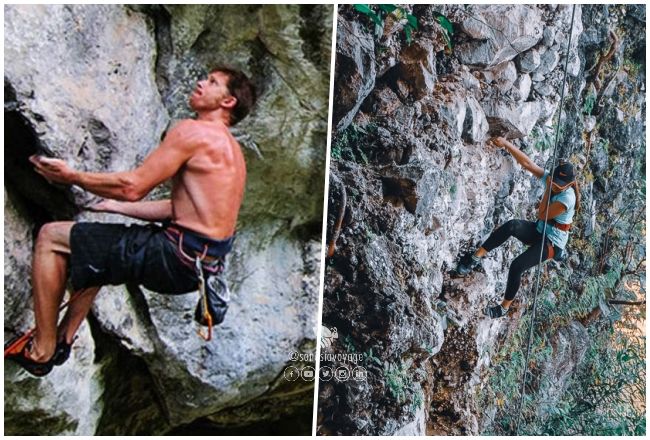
241 87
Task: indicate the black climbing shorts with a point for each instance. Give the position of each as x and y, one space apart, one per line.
103 254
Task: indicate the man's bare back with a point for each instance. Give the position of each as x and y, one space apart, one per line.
208 190
207 169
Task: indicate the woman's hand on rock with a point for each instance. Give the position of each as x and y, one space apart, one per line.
499 141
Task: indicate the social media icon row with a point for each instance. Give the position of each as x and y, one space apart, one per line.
343 373
291 373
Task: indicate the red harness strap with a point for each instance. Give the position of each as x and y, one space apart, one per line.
560 226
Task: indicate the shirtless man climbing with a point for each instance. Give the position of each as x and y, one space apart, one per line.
208 172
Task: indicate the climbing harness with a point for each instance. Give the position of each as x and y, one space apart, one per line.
561 226
522 392
214 294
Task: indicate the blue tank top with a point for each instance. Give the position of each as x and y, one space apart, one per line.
568 198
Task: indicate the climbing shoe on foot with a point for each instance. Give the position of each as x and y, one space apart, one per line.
19 353
61 353
496 311
467 264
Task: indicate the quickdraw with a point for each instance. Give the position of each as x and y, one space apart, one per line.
200 266
204 298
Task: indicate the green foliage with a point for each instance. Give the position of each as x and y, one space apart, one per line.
368 357
609 397
348 343
418 400
378 14
348 144
447 26
397 380
596 402
632 67
374 16
588 105
542 139
370 235
429 349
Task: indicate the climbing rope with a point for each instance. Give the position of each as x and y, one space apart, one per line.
522 392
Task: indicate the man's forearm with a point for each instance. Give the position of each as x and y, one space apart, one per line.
118 186
149 210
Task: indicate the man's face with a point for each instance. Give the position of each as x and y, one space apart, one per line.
211 93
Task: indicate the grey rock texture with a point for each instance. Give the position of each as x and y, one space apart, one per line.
529 61
98 86
422 188
417 69
498 33
355 71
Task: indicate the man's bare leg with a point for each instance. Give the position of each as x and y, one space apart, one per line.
76 313
49 271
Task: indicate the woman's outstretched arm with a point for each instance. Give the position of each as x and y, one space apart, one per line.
519 156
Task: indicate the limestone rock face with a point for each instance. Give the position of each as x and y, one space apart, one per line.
417 69
529 61
476 126
355 71
422 188
105 124
510 119
523 85
98 86
498 33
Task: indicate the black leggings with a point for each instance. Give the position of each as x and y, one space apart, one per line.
525 232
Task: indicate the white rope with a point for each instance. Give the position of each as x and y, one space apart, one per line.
522 392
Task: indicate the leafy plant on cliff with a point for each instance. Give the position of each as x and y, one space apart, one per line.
541 139
614 362
447 26
608 397
348 143
397 379
379 13
588 105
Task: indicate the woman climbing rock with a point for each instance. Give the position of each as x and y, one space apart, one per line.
563 189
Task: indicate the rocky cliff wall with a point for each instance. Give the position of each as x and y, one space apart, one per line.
415 186
98 86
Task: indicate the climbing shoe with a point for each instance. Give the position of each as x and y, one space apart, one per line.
496 311
61 353
467 264
19 353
